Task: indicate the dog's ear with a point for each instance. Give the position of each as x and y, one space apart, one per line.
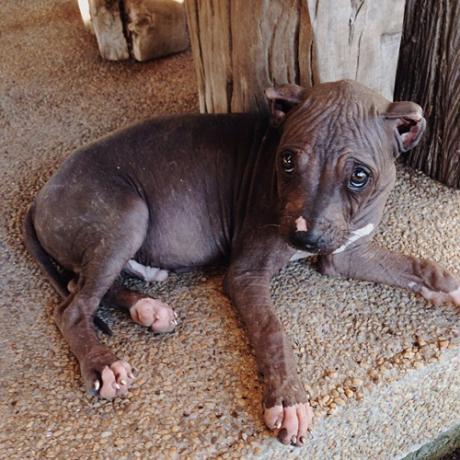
406 123
281 99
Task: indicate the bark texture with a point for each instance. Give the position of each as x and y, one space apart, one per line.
429 73
241 47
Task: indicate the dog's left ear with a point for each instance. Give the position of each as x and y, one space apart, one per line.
407 124
281 99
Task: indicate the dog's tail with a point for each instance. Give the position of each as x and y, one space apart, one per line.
45 261
48 265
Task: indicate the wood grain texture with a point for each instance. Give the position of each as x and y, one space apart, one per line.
241 47
155 28
429 73
358 40
141 29
106 20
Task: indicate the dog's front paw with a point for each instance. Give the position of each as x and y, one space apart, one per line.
292 422
438 297
106 376
154 314
289 413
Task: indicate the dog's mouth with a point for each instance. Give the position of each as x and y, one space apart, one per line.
300 242
315 243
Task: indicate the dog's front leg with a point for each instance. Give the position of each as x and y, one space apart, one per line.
372 263
286 405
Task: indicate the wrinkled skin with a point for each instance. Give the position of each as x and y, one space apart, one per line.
187 191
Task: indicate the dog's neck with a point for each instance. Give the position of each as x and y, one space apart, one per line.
256 185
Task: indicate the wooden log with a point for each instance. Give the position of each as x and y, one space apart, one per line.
83 6
106 20
156 27
142 29
429 73
241 47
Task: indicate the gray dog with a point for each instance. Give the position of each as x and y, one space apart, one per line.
248 190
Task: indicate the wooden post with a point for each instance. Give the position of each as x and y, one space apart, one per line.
241 47
429 73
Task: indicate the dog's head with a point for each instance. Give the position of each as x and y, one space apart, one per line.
335 160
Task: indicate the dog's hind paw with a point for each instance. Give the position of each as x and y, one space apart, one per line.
155 314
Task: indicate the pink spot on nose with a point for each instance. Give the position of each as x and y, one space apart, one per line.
301 224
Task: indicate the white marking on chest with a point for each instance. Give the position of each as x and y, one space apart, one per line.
144 272
301 224
355 235
300 255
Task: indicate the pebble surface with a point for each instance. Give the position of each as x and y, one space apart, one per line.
381 364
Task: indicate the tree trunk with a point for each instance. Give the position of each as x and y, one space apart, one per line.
241 47
429 73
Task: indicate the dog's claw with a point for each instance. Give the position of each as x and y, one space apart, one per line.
123 382
96 386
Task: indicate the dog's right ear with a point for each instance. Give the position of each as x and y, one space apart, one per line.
281 99
407 123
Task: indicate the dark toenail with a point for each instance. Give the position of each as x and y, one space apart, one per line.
302 439
282 434
94 391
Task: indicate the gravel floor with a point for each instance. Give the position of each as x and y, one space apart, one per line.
379 390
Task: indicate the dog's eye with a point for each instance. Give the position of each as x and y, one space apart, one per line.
287 162
359 178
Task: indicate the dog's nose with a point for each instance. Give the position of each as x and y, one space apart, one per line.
310 240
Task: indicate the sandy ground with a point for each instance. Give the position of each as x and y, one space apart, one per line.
198 395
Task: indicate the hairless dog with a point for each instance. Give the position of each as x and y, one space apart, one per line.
249 190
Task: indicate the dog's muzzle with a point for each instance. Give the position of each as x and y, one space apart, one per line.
310 241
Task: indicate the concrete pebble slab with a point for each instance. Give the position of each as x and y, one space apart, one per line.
381 364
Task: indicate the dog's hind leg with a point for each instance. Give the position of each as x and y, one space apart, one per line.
103 373
144 310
